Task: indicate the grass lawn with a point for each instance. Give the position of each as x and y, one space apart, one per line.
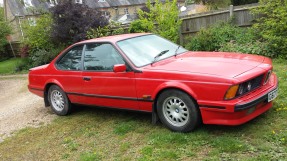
98 134
9 66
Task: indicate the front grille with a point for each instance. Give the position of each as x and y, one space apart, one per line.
250 85
256 82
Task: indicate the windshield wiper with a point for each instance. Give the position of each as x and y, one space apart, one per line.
175 53
159 55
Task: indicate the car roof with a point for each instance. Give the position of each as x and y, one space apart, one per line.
114 38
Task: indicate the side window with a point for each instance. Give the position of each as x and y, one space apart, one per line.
101 57
71 60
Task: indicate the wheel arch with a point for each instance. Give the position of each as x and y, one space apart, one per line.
169 86
46 90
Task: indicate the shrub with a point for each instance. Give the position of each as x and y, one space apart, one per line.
43 56
112 29
161 19
272 26
37 36
227 37
256 47
213 38
141 26
72 21
5 30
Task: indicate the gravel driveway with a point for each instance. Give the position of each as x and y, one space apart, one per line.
18 107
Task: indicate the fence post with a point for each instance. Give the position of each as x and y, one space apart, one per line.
180 36
231 11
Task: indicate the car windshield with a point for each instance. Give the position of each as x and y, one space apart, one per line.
143 50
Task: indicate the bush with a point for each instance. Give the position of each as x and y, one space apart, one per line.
112 29
227 37
5 30
256 47
272 26
161 19
21 65
213 38
141 26
37 36
72 21
42 56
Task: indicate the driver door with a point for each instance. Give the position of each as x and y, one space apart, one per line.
101 85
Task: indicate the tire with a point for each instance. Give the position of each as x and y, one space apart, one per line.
59 101
177 111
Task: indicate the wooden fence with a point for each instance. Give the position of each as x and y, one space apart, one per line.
241 15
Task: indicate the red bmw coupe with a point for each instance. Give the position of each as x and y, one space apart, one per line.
145 72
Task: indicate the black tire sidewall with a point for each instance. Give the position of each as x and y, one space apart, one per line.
193 110
67 105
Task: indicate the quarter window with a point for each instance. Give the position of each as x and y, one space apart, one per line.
72 59
101 57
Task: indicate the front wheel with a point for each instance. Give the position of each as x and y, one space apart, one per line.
59 101
177 111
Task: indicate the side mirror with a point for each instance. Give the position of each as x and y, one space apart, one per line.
120 68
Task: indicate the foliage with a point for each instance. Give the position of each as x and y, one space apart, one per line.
72 21
272 26
37 36
143 25
227 37
212 39
255 47
43 56
161 19
5 30
112 28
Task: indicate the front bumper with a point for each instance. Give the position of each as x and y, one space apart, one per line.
240 110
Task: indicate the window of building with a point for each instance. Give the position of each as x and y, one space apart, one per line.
72 59
126 10
28 3
79 1
101 57
53 2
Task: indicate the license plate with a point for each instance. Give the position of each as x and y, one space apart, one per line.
272 95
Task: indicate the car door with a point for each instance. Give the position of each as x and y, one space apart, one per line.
101 85
69 72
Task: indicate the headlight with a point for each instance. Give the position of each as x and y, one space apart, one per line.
245 87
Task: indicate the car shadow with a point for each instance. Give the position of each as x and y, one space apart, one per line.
140 117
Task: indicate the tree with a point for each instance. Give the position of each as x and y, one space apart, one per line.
72 21
161 19
272 26
5 30
38 35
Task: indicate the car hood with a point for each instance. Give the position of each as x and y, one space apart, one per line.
212 63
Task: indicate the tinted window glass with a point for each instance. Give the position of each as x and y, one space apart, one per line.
71 60
101 57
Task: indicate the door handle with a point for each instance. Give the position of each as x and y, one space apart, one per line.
87 78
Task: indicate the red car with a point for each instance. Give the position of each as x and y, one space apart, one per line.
145 72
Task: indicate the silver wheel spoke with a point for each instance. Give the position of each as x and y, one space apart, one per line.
175 111
57 100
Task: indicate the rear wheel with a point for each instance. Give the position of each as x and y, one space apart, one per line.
59 101
177 111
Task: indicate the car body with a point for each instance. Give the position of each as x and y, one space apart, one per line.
145 72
